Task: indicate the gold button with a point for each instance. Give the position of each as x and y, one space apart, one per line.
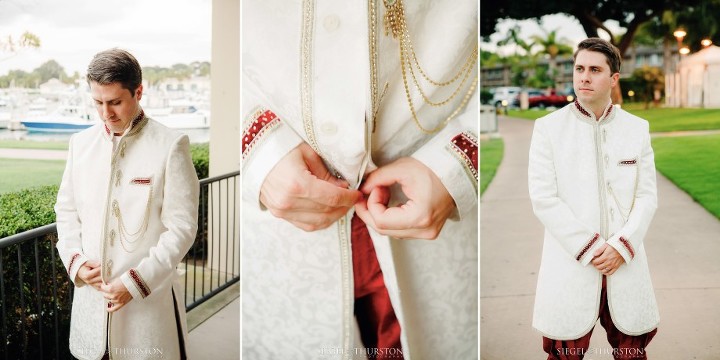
331 23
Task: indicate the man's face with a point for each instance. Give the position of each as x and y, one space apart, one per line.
115 104
592 78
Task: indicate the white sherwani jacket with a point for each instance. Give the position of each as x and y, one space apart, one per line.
307 78
592 182
134 210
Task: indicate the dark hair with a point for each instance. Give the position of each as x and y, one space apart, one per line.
115 66
612 54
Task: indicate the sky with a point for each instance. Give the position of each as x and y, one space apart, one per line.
157 32
568 28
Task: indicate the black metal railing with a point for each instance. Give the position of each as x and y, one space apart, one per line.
36 293
213 263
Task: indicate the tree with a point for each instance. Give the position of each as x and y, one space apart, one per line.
201 68
700 22
648 81
552 46
182 71
49 70
591 14
11 46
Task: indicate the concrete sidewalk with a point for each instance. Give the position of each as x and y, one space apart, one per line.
217 336
34 154
683 245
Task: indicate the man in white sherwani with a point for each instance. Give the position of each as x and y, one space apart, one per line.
126 216
592 185
349 170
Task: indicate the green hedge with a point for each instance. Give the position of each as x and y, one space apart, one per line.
201 159
27 209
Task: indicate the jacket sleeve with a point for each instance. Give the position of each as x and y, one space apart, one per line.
559 220
632 234
179 215
69 243
452 154
266 139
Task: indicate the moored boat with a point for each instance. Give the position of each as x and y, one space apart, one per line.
64 119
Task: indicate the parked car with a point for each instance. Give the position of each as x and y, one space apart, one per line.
508 94
551 98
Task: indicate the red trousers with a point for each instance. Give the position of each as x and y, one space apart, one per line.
624 346
379 328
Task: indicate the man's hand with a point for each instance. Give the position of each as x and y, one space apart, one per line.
117 294
607 260
422 216
301 190
89 272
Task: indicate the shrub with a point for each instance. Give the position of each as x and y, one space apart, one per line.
37 301
37 290
201 159
27 209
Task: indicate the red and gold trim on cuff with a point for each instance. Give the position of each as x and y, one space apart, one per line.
628 246
587 247
262 122
72 262
465 148
139 283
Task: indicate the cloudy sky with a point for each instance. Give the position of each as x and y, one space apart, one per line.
157 32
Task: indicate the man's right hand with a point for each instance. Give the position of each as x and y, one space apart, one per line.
301 190
89 272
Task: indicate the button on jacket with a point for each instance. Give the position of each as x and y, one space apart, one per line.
592 182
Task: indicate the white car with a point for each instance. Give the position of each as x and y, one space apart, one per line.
505 96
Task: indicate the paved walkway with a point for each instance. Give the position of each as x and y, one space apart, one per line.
217 337
683 245
35 154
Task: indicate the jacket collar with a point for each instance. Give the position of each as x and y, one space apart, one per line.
135 126
583 113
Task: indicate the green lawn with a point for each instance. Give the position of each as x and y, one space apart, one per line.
532 114
18 174
491 153
661 119
691 162
674 119
26 144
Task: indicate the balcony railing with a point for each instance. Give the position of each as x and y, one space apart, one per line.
36 293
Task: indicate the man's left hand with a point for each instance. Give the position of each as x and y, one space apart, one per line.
116 294
607 260
421 217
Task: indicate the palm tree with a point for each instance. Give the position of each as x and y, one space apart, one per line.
513 37
517 63
11 47
552 46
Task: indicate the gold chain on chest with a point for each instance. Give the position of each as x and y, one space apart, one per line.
396 26
128 240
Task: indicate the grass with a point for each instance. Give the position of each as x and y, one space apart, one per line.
532 114
661 119
691 162
25 144
18 174
491 153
